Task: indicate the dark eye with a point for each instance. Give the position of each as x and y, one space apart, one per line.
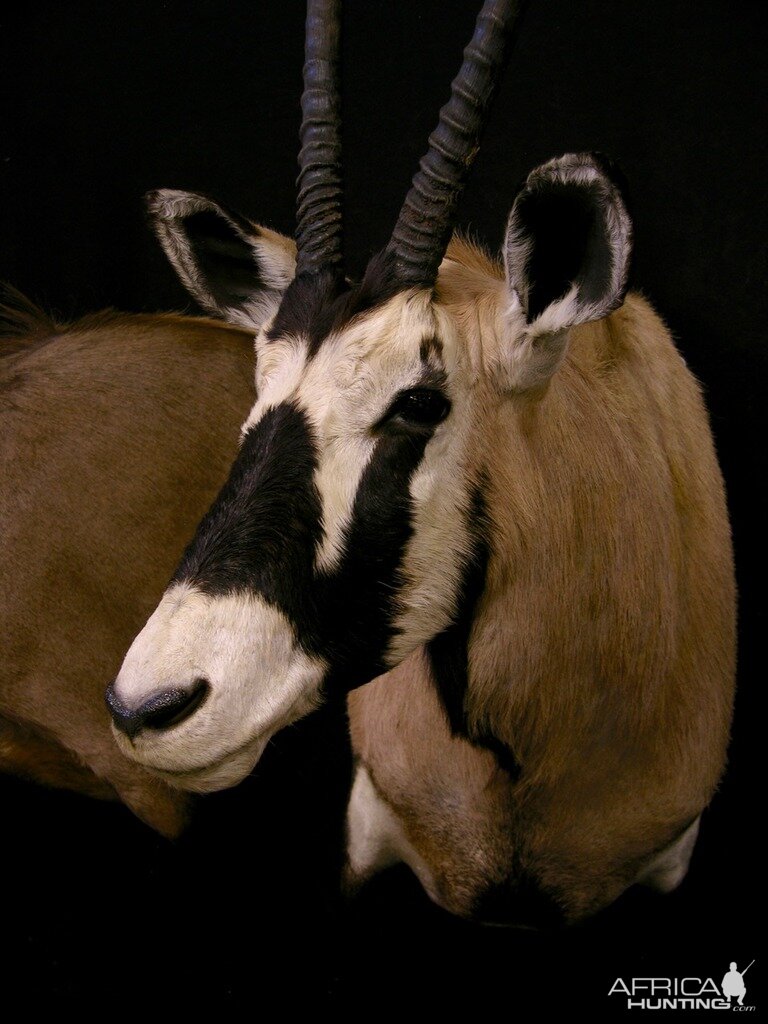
420 407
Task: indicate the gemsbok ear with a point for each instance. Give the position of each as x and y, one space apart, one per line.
235 269
566 252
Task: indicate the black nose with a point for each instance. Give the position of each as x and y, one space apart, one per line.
161 711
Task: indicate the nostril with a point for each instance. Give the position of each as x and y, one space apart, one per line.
122 717
162 711
173 706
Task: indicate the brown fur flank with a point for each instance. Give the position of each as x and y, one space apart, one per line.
117 432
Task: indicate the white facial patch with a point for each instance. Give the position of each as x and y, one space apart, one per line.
279 366
260 681
440 544
341 426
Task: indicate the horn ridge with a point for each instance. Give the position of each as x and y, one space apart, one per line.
318 206
423 228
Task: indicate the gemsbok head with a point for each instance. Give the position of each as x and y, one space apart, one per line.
506 472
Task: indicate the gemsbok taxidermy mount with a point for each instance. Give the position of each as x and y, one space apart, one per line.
493 488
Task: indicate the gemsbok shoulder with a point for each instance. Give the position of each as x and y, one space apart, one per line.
490 484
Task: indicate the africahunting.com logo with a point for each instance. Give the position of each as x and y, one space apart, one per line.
685 993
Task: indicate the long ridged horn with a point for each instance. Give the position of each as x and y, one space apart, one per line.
424 226
318 209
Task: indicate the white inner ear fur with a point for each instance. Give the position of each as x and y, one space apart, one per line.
275 261
535 350
274 257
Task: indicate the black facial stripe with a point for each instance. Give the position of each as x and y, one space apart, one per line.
261 533
448 651
360 596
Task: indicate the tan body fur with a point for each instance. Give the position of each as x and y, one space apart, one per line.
117 433
602 650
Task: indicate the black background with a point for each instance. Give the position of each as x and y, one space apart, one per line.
104 101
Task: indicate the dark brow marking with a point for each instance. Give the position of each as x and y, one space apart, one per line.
431 350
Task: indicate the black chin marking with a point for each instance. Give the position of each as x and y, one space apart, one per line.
448 651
